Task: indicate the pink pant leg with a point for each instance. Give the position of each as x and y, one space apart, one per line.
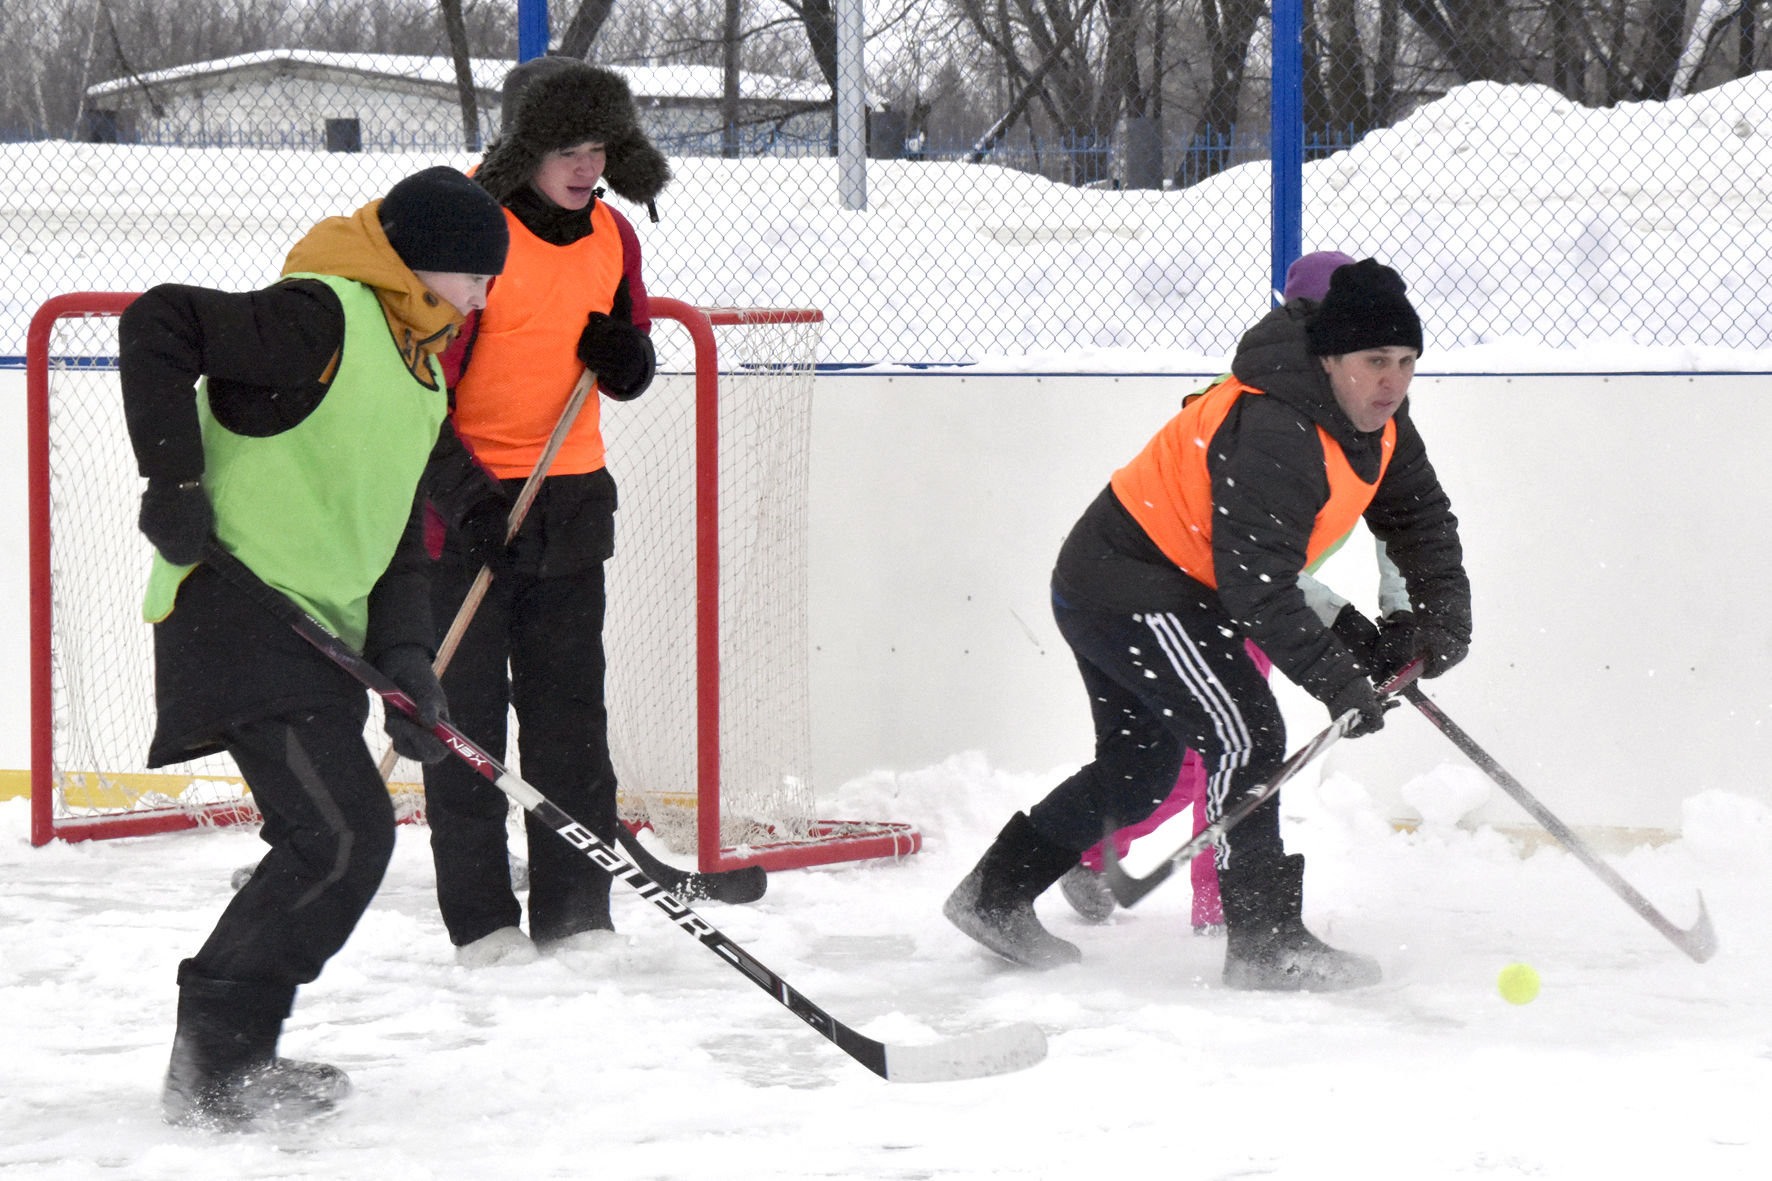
1176 800
1203 870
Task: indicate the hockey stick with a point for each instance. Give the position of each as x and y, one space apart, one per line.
1127 890
1698 941
745 884
996 1051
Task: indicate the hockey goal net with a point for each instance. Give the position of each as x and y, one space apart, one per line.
706 630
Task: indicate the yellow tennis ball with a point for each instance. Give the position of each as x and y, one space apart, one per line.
1518 984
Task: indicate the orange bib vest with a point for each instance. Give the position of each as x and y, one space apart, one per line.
525 357
1168 489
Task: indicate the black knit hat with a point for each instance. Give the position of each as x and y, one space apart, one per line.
1365 308
556 102
439 220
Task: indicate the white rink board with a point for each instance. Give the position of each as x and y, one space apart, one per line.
1616 530
15 583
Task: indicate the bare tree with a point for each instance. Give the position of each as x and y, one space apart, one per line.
581 31
464 73
820 22
1050 55
1229 27
1472 36
1125 88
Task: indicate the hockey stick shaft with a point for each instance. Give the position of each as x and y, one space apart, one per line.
745 884
1127 890
1698 941
470 606
581 392
1010 1048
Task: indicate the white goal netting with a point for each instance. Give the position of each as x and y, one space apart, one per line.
712 465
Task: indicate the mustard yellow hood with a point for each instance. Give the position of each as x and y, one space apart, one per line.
355 248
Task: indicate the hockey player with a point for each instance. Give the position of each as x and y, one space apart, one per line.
1196 546
1384 649
294 424
572 297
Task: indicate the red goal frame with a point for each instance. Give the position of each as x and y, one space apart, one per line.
827 841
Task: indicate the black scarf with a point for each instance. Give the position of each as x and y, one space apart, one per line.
551 223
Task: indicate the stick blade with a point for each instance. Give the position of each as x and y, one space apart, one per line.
737 886
1700 939
745 884
1126 889
1003 1050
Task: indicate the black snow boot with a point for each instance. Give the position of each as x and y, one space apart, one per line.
1088 893
225 1075
995 902
1267 947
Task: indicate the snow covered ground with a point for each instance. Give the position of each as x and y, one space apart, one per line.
652 1058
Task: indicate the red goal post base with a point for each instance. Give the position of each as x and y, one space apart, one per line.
826 841
141 824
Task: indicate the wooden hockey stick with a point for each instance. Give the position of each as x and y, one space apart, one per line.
744 884
464 615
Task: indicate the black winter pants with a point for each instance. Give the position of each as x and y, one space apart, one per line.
536 644
1159 683
330 824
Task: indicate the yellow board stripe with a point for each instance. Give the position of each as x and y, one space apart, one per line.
120 790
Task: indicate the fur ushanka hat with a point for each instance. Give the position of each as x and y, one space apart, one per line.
555 102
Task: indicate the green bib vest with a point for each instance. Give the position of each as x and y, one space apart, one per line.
318 510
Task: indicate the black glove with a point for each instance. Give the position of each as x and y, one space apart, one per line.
1439 646
482 530
618 353
1395 645
409 666
177 517
1358 694
1356 632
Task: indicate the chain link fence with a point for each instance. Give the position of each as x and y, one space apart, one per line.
1514 210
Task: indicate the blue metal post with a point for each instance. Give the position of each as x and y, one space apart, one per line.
532 29
1286 133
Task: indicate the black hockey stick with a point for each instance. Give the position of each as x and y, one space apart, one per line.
1698 941
995 1051
1127 890
744 884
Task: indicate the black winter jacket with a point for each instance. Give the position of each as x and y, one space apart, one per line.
1268 482
221 659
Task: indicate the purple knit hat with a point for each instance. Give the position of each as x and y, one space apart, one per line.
1308 278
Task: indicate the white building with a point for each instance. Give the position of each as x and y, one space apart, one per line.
294 98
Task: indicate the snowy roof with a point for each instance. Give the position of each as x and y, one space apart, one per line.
649 83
